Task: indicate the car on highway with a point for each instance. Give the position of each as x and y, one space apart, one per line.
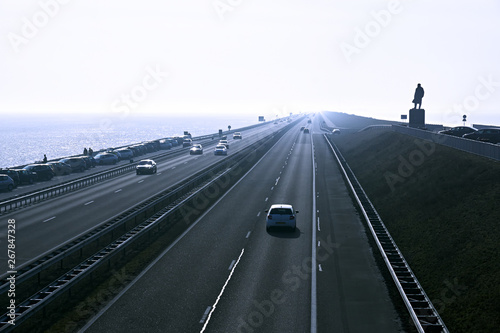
6 183
225 143
306 130
196 149
220 150
25 176
106 159
12 174
59 168
237 135
491 135
187 142
43 171
281 215
146 166
458 131
302 128
76 163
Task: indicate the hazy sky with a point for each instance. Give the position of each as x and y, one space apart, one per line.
251 56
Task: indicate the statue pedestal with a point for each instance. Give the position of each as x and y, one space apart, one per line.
417 118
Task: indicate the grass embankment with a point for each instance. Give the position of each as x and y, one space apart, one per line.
442 207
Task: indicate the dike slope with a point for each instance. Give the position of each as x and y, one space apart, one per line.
442 207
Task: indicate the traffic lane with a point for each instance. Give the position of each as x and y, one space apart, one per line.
175 293
48 224
352 294
270 291
257 132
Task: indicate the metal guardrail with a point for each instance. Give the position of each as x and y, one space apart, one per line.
64 282
422 311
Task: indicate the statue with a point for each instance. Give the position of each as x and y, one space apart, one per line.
417 98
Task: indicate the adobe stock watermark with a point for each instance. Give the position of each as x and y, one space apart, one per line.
30 27
415 159
372 29
222 7
292 279
483 91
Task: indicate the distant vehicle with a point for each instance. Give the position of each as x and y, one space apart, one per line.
336 131
106 159
225 143
458 131
43 171
125 153
237 135
187 142
146 166
25 176
281 215
6 183
220 150
59 168
76 163
309 121
197 149
491 135
165 144
306 130
223 137
12 174
302 128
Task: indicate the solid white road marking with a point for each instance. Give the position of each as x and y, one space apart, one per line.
88 203
314 302
51 218
222 291
119 190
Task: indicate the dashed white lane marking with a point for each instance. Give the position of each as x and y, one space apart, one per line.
266 199
272 188
320 269
319 229
258 214
158 173
248 234
319 243
231 266
222 291
205 314
50 218
173 168
88 203
119 190
277 180
140 181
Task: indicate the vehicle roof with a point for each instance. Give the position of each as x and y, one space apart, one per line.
147 160
281 206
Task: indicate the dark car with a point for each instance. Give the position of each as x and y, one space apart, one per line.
25 176
491 135
6 183
106 158
60 168
12 174
43 171
458 131
306 130
76 163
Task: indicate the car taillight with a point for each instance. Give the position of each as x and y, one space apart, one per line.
292 217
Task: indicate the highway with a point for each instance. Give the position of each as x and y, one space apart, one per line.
44 226
226 273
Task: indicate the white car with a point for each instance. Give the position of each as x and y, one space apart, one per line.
146 166
220 150
281 215
237 135
197 149
224 142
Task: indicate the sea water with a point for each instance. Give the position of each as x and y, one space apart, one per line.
24 139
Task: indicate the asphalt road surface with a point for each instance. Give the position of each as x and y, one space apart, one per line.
226 273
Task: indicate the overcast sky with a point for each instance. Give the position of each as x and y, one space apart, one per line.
251 57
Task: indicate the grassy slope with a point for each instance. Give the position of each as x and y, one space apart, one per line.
444 214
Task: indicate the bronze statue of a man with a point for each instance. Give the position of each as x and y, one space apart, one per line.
417 98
